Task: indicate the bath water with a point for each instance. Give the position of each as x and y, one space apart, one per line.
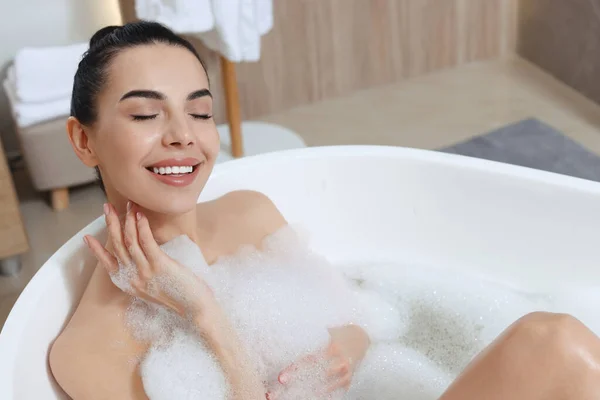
425 324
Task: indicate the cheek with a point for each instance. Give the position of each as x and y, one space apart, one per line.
210 141
125 149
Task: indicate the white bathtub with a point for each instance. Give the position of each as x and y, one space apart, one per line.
532 228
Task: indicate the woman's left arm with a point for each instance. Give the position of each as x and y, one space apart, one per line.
347 348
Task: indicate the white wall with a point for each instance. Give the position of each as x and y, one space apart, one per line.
46 23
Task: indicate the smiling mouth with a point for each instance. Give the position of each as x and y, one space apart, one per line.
174 170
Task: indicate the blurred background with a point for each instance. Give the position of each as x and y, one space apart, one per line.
508 80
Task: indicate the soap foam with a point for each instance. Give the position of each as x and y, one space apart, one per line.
183 369
425 324
123 276
448 316
392 371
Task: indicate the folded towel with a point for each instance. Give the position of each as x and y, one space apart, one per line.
182 16
27 114
232 27
46 73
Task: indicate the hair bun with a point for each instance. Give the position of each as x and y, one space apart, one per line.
102 33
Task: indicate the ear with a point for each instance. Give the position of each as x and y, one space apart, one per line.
80 142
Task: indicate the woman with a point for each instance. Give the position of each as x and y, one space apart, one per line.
142 115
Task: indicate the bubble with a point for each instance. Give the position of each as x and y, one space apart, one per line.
392 371
183 369
123 277
425 323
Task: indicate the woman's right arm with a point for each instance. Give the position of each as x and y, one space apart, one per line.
236 364
134 246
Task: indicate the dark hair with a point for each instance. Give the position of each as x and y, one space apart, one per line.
105 44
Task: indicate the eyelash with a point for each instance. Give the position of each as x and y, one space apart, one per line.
148 117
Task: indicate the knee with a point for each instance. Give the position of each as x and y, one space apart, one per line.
549 328
559 336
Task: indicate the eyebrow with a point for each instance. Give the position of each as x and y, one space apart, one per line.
199 93
147 94
153 94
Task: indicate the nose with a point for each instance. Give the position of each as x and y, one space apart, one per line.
178 133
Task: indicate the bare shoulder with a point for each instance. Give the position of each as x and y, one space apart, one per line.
86 370
254 208
247 217
93 356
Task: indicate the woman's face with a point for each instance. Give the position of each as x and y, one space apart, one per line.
155 140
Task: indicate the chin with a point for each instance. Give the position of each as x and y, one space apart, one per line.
174 206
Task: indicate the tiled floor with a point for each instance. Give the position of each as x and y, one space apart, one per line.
428 112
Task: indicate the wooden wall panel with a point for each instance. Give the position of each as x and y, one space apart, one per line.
319 49
563 38
483 21
431 29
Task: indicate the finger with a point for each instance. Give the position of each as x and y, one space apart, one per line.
339 368
116 234
275 394
133 245
333 350
286 375
107 260
148 244
342 383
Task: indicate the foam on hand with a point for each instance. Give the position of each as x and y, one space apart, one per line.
123 277
425 324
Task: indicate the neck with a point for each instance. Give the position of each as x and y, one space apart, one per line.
165 227
168 226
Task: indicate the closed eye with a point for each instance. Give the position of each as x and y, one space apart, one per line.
201 116
143 117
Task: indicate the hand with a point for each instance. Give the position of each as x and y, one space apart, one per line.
139 267
347 348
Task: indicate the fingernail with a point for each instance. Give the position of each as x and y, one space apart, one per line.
283 379
85 240
138 215
128 206
106 209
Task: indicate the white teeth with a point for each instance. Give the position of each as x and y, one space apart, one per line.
173 170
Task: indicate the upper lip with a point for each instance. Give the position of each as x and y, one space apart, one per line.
176 162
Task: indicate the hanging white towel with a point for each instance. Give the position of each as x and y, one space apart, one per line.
182 16
27 114
46 73
239 26
231 27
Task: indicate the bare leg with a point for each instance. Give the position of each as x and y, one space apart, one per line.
541 356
